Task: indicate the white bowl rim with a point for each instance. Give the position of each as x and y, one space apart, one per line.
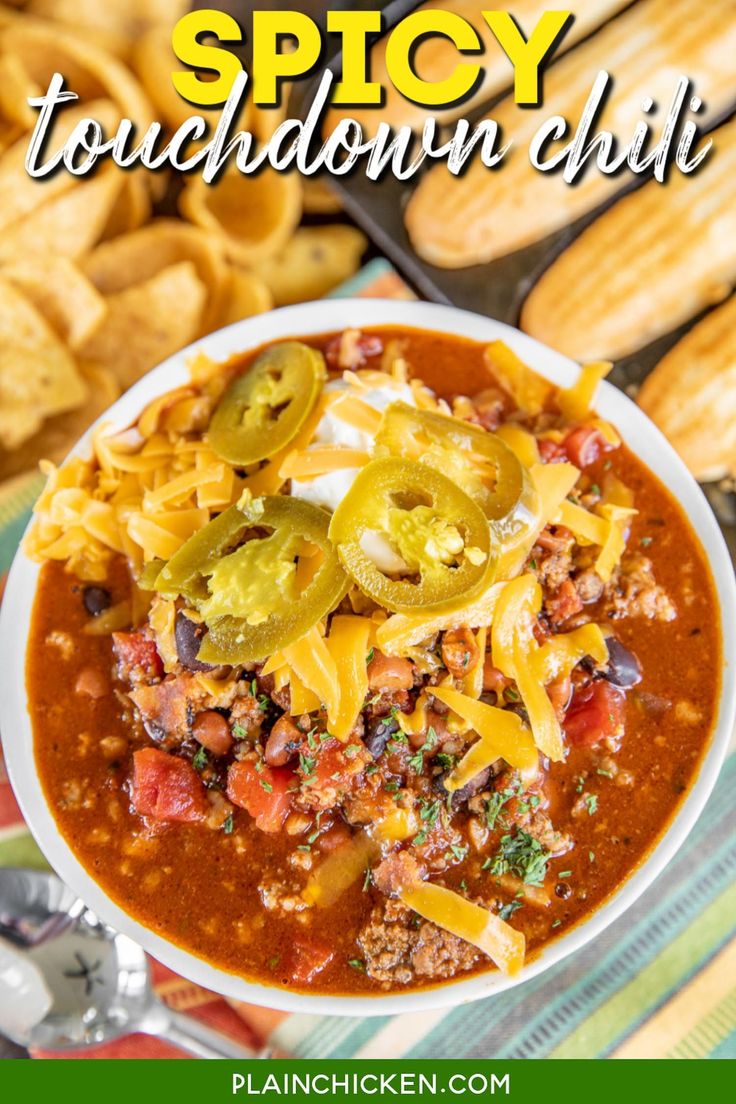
322 317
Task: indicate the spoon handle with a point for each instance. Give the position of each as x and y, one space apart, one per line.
196 1038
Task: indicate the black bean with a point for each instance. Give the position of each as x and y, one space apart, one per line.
188 637
623 668
463 795
96 600
562 889
519 710
379 731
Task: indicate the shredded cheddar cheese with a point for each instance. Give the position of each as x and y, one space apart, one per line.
347 643
575 402
473 923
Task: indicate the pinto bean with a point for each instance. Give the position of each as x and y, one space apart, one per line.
334 837
493 679
283 742
212 731
460 652
560 693
92 683
390 673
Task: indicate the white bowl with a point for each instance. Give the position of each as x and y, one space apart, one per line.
313 318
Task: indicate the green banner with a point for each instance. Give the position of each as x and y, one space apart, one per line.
359 1080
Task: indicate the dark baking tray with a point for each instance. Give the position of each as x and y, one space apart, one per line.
497 289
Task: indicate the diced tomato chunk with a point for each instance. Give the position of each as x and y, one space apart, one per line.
550 451
564 603
137 656
305 959
167 788
584 445
360 348
596 711
265 793
331 767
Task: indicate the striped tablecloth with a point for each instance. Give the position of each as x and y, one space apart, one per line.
661 982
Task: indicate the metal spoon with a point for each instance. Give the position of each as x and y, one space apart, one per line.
98 979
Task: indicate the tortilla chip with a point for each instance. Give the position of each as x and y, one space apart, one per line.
59 291
147 322
46 48
58 434
15 88
246 295
316 260
153 61
67 226
133 207
133 258
38 375
254 216
20 193
115 24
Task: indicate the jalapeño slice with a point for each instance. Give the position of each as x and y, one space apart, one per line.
477 461
435 539
264 408
261 575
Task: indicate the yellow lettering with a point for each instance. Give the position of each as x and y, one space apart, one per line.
398 57
184 40
526 55
355 88
270 66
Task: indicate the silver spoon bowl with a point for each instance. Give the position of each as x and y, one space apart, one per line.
99 980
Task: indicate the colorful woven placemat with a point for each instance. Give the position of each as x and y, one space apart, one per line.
661 982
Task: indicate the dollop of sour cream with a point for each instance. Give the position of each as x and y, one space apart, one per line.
329 490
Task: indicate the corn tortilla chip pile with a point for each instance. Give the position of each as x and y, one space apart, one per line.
102 277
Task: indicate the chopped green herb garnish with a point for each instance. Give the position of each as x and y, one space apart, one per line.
646 541
367 881
508 910
446 761
591 803
565 874
556 923
605 773
227 824
522 855
303 847
200 760
494 805
266 785
357 964
369 657
306 764
254 687
591 856
239 732
416 761
458 852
